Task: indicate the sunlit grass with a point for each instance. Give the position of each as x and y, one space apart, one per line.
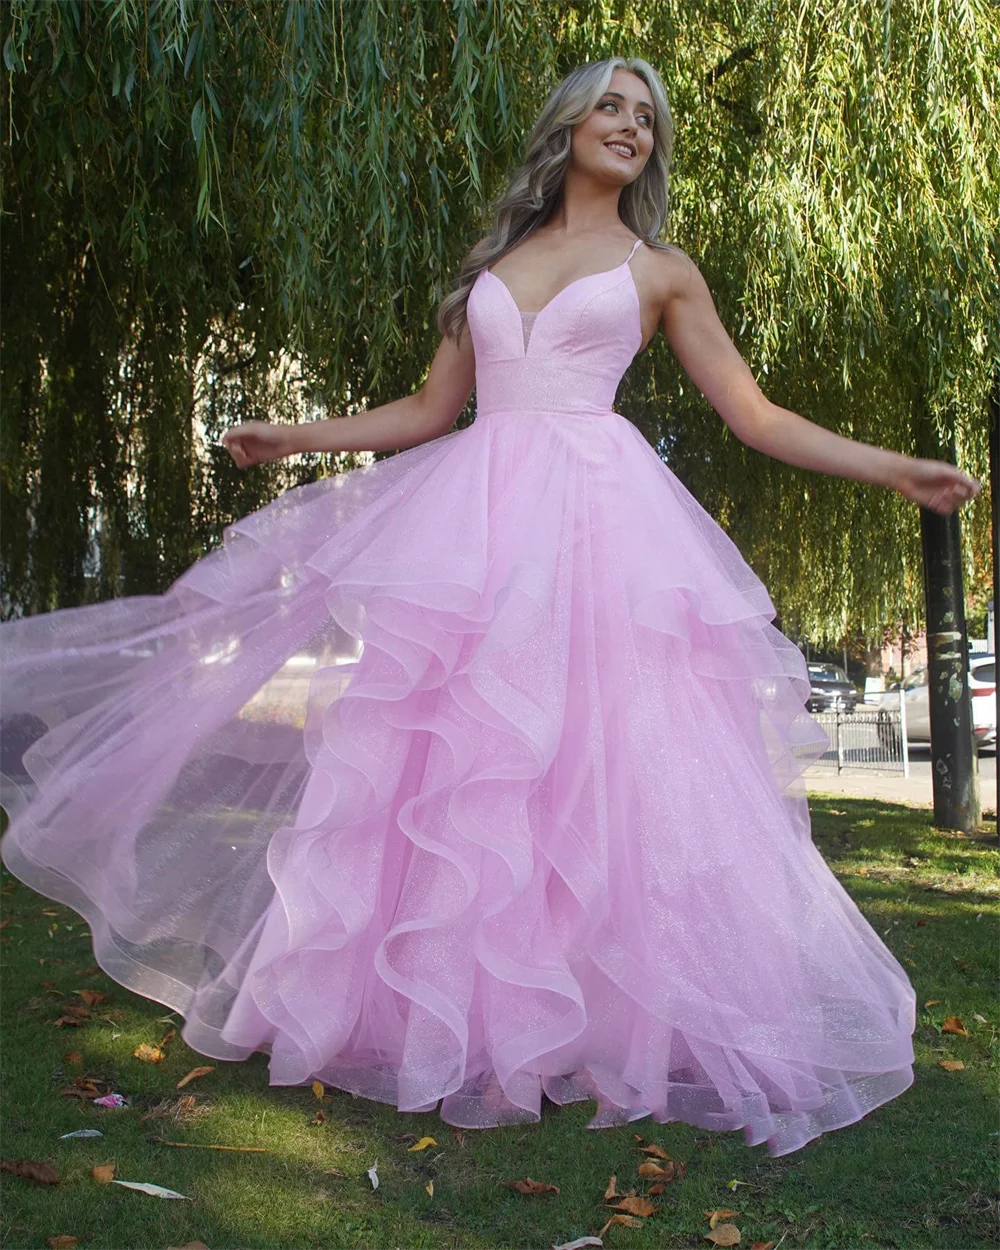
917 1172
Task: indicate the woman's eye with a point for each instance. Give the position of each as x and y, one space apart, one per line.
645 117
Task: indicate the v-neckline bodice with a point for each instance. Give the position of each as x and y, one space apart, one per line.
568 356
600 273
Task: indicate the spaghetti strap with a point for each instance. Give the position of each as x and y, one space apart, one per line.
635 247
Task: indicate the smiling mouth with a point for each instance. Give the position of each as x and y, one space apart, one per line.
622 148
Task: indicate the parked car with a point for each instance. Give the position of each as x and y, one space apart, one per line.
830 689
982 691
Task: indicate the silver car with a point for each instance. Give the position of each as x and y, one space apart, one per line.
982 691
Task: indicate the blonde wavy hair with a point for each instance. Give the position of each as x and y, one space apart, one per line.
534 189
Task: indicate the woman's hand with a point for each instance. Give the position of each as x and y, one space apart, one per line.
256 441
935 484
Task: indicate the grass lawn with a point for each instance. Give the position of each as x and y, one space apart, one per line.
917 1172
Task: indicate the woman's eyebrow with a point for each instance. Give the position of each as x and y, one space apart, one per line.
645 104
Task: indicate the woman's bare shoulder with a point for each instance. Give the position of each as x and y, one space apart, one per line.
663 273
667 267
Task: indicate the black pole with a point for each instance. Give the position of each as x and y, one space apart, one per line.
955 765
994 488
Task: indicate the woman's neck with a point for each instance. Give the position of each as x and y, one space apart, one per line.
585 208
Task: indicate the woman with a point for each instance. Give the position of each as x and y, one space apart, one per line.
547 832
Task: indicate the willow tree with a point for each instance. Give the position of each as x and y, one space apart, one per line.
234 210
239 210
838 180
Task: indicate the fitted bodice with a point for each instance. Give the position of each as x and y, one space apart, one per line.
572 355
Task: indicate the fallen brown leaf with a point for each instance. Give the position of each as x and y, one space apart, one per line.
611 1192
953 1024
148 1054
74 1058
951 1065
720 1213
319 1117
91 997
77 1010
724 1235
673 1170
66 1020
655 1150
932 1002
167 1036
649 1168
635 1206
31 1170
87 1087
195 1072
318 1090
627 1221
334 1172
104 1173
528 1186
762 1245
62 1242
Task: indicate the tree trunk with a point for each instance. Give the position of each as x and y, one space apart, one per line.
954 763
994 489
955 766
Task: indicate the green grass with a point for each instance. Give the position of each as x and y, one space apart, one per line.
918 1172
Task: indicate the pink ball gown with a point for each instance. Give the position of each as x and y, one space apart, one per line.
466 776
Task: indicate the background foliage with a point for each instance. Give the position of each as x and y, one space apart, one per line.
214 212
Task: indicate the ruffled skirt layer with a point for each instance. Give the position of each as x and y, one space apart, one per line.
465 776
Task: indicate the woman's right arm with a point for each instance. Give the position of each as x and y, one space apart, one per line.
417 418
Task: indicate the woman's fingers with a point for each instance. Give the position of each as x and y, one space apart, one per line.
237 448
252 442
948 498
939 487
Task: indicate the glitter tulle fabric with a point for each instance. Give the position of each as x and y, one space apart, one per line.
467 776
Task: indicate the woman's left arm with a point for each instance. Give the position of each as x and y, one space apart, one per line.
708 355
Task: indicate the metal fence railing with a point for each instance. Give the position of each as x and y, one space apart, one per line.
867 738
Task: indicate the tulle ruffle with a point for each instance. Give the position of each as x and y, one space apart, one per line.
469 775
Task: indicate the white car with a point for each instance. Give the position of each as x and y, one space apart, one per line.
982 691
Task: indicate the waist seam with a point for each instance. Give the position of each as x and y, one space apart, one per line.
549 361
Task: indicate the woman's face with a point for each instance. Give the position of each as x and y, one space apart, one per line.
614 142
